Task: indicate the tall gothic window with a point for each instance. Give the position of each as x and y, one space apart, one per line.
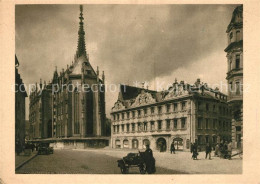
76 112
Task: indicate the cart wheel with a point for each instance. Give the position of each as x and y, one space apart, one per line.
142 169
124 170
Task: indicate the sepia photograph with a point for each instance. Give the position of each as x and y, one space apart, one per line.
129 89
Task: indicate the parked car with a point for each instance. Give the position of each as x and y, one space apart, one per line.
45 149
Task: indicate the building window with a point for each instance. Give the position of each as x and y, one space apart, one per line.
230 36
214 124
175 107
76 112
183 123
145 126
152 110
152 125
117 127
168 106
237 61
207 139
168 124
224 126
117 116
219 125
139 113
199 105
199 139
139 127
133 127
237 35
127 115
230 64
183 105
145 111
214 108
237 88
127 127
207 107
133 114
199 123
123 128
175 122
220 110
159 109
159 125
123 115
207 123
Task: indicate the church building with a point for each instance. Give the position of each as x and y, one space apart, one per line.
75 103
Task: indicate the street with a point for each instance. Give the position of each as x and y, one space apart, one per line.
78 162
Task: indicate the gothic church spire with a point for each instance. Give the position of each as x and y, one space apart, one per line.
81 36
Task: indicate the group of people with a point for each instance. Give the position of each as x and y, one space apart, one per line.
222 150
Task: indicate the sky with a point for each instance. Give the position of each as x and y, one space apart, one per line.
153 43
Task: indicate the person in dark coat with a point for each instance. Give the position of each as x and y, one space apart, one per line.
208 151
195 151
149 160
172 149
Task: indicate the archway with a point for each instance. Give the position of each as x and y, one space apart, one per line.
161 145
135 144
145 142
125 143
178 143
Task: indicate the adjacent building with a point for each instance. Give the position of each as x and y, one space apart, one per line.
182 114
70 109
20 95
234 77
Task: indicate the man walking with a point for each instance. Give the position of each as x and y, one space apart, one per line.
149 160
172 148
208 151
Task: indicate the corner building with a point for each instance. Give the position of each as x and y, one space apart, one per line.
182 114
234 77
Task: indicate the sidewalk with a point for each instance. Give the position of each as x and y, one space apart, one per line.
181 161
23 159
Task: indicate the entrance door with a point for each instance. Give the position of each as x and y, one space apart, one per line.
135 144
161 145
178 143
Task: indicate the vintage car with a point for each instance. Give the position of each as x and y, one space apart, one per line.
45 149
132 160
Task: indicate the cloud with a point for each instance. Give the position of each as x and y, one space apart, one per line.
129 42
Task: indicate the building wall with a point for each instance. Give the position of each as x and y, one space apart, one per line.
171 115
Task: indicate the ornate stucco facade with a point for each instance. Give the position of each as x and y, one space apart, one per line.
234 77
182 114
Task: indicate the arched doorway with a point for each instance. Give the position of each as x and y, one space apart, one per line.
178 143
135 144
161 144
145 142
125 143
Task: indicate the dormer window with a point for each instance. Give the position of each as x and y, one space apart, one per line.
88 72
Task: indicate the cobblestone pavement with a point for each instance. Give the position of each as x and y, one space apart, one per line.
79 162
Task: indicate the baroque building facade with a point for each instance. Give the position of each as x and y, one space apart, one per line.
20 95
74 110
182 114
234 77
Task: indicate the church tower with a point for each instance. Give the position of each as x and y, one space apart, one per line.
234 77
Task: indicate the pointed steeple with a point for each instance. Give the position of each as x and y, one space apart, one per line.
81 36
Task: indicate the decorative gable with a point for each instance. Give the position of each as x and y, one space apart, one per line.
176 92
143 99
118 106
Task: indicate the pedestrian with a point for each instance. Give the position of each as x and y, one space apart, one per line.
229 150
149 160
195 151
208 151
216 153
172 148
